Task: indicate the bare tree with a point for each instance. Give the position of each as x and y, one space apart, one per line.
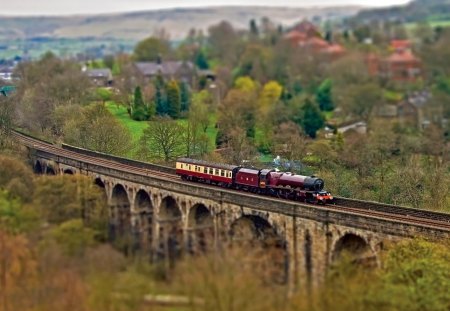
198 121
239 147
98 130
291 143
45 85
163 139
6 120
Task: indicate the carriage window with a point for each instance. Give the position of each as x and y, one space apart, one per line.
229 174
205 170
222 173
189 167
217 171
211 171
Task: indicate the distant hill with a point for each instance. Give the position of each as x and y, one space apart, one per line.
176 22
415 11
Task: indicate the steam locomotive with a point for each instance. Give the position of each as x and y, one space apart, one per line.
265 181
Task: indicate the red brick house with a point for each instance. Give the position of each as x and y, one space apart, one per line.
400 66
306 36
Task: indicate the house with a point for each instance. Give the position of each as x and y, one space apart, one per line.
419 110
100 77
306 36
400 66
416 110
6 73
359 127
179 70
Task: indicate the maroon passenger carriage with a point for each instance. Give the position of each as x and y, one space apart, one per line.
211 173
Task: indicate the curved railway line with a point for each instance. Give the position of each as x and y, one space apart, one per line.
357 207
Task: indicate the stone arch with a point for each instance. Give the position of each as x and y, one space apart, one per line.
99 182
68 171
38 168
262 236
251 228
144 207
50 170
199 216
355 248
120 214
169 210
170 230
201 228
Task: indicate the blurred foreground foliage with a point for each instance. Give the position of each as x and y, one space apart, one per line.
53 256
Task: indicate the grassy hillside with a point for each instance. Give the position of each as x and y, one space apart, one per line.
434 11
136 26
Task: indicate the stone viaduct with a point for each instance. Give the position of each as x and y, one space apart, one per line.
168 217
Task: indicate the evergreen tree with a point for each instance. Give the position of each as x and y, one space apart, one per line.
254 32
185 94
139 111
173 99
312 119
324 97
201 61
160 98
138 100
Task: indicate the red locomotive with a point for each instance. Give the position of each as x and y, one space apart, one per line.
265 181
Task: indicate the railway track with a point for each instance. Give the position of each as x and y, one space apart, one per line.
46 146
357 207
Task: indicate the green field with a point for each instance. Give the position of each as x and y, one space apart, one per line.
136 128
432 23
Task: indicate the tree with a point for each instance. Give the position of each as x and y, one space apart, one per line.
16 178
151 49
104 94
254 62
67 197
197 141
359 99
239 146
73 237
312 119
139 110
162 140
224 43
45 85
323 96
254 32
268 100
185 96
98 130
238 110
270 94
173 99
290 143
160 96
17 268
7 113
109 61
200 60
416 273
16 217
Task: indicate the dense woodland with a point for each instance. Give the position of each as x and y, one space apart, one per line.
268 99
